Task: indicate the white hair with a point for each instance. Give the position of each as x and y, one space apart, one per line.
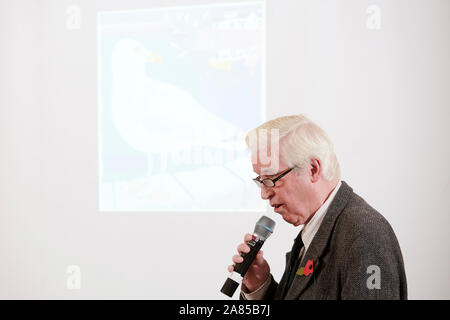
300 140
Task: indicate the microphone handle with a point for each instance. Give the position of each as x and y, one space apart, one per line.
255 245
240 269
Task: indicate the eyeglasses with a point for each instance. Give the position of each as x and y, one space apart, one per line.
271 182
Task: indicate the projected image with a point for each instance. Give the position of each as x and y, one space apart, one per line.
179 87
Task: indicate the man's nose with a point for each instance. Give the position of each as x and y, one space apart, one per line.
266 192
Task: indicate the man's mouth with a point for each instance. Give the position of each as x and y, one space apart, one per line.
277 207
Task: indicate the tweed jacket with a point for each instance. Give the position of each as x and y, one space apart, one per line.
354 255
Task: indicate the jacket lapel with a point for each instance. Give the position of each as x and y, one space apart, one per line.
283 281
301 281
319 242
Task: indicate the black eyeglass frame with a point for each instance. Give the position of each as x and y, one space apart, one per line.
271 182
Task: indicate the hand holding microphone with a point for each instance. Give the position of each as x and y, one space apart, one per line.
259 270
250 267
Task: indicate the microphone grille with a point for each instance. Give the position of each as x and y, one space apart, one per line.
264 227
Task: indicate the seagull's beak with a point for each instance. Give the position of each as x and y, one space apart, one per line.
152 57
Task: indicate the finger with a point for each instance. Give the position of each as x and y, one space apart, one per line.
248 237
237 258
243 248
230 268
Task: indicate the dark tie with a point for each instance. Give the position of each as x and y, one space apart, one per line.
293 263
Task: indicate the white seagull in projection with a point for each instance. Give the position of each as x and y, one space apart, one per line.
157 117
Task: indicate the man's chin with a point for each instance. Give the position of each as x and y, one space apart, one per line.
297 223
289 219
292 220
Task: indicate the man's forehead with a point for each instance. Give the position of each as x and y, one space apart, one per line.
266 158
267 170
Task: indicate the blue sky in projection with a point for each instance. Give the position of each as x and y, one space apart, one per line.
178 89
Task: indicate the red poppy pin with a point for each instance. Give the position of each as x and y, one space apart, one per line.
307 269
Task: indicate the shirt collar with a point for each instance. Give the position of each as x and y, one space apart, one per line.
310 229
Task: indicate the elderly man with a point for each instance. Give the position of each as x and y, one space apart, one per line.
345 250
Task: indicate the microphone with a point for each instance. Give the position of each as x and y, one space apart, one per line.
263 229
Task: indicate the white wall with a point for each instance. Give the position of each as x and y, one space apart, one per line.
382 95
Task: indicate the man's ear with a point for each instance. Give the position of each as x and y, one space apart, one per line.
316 169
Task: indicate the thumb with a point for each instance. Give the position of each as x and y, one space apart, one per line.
259 259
